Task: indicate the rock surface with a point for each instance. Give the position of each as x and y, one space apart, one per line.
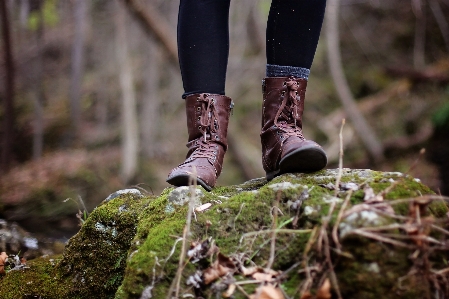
380 235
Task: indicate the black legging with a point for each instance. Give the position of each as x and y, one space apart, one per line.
293 30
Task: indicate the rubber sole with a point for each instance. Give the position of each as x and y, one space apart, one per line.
305 160
184 180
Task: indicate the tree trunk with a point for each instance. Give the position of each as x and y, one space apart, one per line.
364 131
8 101
77 64
39 95
129 114
151 101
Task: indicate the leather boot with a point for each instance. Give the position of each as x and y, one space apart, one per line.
284 148
207 124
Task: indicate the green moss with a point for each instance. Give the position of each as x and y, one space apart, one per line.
130 243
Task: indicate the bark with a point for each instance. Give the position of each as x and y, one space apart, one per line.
8 100
129 115
77 65
364 131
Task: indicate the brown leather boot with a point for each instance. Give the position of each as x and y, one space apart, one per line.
207 124
284 148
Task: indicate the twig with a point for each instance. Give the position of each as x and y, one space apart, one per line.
242 290
277 230
440 229
309 280
340 160
186 232
273 235
238 214
339 217
333 276
323 229
441 272
380 238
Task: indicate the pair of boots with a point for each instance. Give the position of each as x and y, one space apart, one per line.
284 148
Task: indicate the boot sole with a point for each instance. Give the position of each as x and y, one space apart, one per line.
305 160
184 179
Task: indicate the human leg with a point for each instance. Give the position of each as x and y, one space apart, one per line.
293 30
203 47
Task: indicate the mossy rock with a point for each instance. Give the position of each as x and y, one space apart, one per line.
130 246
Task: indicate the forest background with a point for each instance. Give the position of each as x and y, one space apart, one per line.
91 98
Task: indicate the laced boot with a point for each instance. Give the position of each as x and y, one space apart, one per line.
207 124
284 148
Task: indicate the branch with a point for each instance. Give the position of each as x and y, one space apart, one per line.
364 131
441 20
419 75
155 26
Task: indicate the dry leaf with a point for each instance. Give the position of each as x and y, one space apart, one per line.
222 266
250 271
325 290
210 275
229 291
204 207
306 295
3 259
267 292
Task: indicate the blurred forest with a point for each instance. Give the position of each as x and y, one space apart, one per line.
91 97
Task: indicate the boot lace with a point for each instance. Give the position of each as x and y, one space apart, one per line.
208 126
287 116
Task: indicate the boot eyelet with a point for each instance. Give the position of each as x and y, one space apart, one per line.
199 127
283 93
284 84
216 137
198 108
199 118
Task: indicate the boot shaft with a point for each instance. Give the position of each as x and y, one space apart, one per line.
208 119
283 101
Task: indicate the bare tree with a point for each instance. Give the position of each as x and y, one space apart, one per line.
77 64
38 90
364 131
156 26
8 102
150 98
420 33
130 139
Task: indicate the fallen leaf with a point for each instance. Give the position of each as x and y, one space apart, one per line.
3 259
203 207
222 266
210 275
250 271
306 295
262 276
267 292
325 290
